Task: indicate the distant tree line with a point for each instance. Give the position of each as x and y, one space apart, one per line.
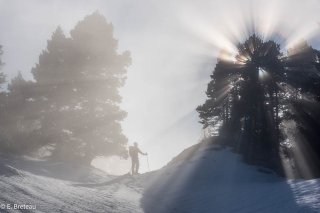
70 112
269 102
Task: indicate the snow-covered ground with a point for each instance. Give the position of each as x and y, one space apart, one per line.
64 188
208 178
203 178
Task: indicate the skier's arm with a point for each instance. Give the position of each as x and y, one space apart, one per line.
141 152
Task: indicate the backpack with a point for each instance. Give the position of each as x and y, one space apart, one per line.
131 150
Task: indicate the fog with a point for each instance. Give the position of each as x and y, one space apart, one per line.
173 44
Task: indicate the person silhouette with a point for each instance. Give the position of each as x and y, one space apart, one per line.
134 152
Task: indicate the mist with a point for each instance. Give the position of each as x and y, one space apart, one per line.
173 46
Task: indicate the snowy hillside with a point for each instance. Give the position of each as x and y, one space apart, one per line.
65 188
207 178
203 178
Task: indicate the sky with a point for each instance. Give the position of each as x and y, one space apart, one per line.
174 45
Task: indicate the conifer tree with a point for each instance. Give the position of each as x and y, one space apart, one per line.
2 75
22 121
77 84
3 142
258 94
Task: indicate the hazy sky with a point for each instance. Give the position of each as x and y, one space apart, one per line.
174 45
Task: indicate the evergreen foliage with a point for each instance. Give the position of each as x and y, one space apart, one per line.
2 75
72 107
258 93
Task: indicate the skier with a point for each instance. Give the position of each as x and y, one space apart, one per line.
134 152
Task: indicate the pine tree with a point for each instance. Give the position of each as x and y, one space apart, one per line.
3 141
304 77
22 122
78 81
2 75
247 101
259 94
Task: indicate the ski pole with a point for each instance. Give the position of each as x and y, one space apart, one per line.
148 163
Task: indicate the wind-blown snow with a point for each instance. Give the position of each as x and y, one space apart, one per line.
203 178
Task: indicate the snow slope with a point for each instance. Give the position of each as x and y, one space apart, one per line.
65 188
209 178
203 178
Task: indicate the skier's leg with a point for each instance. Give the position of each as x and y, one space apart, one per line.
137 166
132 166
